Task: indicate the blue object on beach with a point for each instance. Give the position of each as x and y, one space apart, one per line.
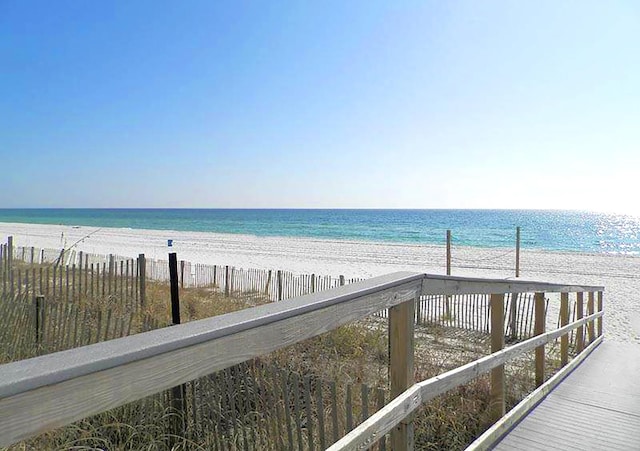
169 243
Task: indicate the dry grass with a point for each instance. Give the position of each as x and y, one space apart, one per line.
355 353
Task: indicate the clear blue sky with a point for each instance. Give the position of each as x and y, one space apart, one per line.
320 104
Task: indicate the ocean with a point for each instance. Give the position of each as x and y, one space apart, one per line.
576 231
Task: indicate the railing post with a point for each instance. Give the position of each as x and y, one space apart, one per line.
590 310
497 404
564 320
579 315
539 327
401 348
599 310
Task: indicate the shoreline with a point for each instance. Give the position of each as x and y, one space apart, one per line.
619 274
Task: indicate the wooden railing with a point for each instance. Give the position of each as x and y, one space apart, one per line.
53 390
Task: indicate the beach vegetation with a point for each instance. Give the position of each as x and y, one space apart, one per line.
249 405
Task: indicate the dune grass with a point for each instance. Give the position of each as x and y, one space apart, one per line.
355 353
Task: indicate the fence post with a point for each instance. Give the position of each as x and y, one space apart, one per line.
279 274
175 295
401 349
539 328
39 318
80 274
564 320
599 310
448 252
226 281
341 280
518 251
266 286
142 272
9 253
513 315
181 273
313 283
497 344
590 311
579 315
447 298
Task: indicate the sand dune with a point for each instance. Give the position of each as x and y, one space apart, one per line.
618 273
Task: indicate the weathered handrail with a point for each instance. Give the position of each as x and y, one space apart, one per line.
56 389
402 406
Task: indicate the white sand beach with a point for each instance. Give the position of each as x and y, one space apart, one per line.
619 274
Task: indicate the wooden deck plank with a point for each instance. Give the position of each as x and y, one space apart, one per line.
570 419
564 432
597 407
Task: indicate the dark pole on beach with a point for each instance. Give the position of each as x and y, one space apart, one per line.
518 251
175 296
178 392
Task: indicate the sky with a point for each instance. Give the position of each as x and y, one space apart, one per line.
332 104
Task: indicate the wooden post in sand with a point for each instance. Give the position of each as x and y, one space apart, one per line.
517 251
448 252
175 294
279 274
39 304
142 274
448 298
9 253
226 281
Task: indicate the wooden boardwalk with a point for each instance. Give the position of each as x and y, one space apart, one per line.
597 407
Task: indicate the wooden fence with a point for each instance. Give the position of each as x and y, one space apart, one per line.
117 372
30 328
70 277
123 280
251 406
254 406
470 312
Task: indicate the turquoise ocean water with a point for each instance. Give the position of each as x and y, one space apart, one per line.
541 229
